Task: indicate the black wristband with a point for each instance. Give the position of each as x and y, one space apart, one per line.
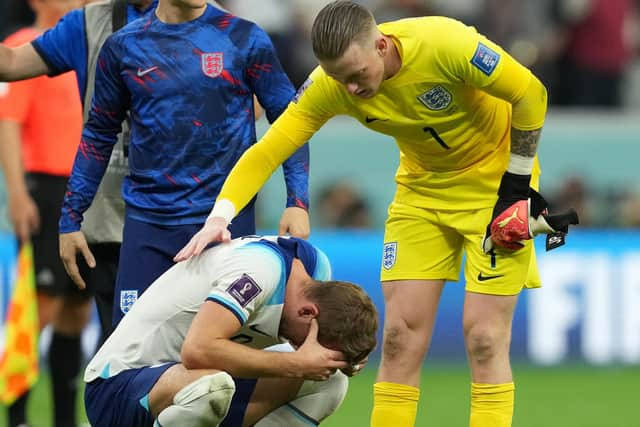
513 186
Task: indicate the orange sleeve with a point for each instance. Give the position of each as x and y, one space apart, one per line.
15 99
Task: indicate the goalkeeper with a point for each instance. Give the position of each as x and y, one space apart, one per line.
467 118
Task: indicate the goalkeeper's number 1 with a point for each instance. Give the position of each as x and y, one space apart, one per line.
435 136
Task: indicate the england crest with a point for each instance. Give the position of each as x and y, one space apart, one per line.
127 298
437 98
212 63
389 255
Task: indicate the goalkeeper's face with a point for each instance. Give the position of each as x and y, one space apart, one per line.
360 70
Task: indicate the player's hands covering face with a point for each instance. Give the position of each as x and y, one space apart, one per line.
318 363
355 368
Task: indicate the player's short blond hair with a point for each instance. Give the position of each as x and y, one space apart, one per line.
337 26
347 318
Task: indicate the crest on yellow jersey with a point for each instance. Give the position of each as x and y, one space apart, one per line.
437 98
389 254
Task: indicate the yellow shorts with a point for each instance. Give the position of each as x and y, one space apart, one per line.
422 244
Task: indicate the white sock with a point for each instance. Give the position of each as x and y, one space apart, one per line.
315 401
204 402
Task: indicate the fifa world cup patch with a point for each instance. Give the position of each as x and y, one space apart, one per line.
389 252
127 298
301 90
212 63
437 98
485 59
244 290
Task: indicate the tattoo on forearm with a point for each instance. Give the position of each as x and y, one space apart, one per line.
525 142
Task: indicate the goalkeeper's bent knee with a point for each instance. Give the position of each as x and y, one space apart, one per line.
315 401
204 402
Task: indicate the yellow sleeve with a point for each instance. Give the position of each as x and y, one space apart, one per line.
469 57
256 166
530 110
305 115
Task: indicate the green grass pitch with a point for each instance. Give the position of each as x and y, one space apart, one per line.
564 396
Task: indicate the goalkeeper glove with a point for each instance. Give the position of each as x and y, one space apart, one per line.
516 218
510 219
555 227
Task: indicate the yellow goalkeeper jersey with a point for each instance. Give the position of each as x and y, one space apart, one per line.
448 108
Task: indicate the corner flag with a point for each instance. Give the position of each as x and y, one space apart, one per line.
19 361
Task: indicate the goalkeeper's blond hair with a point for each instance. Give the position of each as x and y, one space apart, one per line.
337 26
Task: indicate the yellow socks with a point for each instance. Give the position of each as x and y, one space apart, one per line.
491 405
394 405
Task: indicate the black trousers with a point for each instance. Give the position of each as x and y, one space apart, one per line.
103 280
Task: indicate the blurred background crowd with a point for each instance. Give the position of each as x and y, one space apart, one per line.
585 51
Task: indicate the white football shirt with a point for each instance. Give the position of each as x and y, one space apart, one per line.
247 276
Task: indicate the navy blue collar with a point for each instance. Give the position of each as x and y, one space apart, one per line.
292 247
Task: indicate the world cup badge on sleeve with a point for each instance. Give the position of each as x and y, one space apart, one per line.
212 63
127 298
389 255
244 290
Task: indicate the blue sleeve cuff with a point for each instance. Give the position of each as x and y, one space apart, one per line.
297 202
233 309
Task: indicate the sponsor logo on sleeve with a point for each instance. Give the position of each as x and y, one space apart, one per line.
437 98
301 90
389 255
244 290
212 63
485 59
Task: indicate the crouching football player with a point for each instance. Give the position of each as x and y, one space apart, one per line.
192 350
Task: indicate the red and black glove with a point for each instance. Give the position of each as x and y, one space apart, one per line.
510 219
521 213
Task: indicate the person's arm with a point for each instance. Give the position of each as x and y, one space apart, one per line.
108 110
248 175
23 211
274 92
207 346
528 98
16 100
19 63
52 53
235 298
